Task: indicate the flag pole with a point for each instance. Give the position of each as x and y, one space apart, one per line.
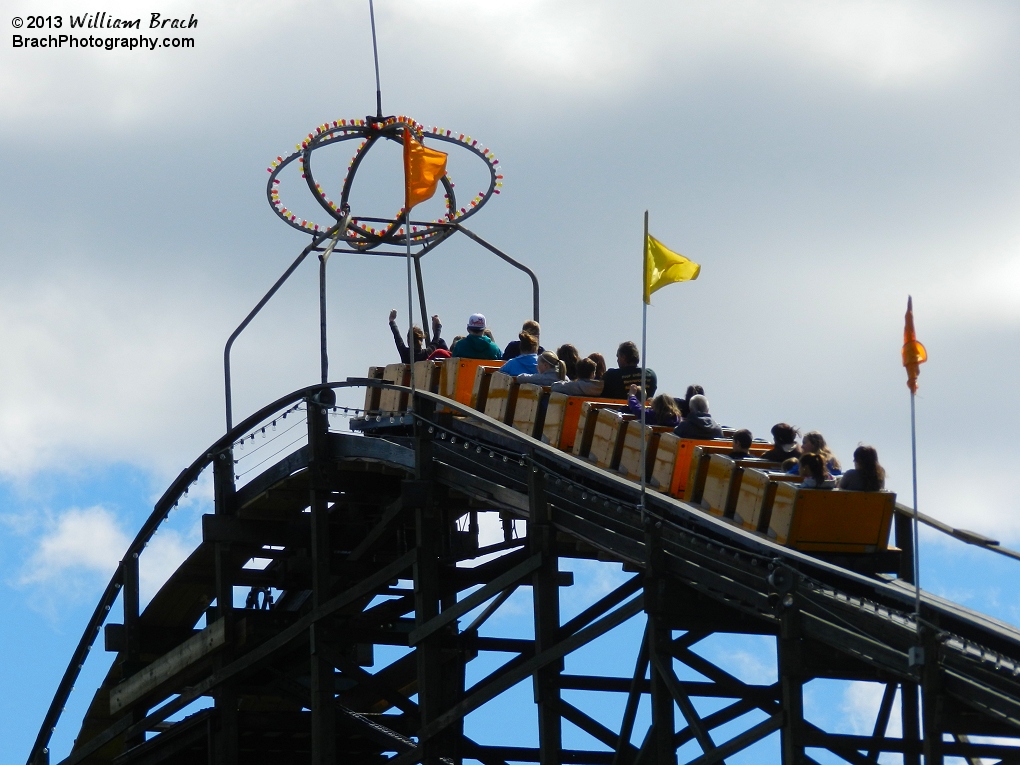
917 545
644 364
410 298
323 257
407 242
375 56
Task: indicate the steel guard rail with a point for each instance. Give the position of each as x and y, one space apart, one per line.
659 509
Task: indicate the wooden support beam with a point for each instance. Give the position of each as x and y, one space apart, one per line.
850 747
427 604
741 741
245 662
370 682
603 605
132 629
904 536
390 515
664 669
480 488
765 697
248 531
225 504
910 714
546 610
931 700
321 672
658 637
791 687
168 666
594 728
638 684
493 754
475 599
509 675
882 721
490 609
714 720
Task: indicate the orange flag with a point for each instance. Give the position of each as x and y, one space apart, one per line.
914 353
422 170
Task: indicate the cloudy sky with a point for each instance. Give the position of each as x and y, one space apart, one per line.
820 160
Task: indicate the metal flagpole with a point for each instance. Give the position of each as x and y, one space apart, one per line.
323 357
644 362
917 546
410 290
375 55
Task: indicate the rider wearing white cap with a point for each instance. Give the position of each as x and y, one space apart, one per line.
476 345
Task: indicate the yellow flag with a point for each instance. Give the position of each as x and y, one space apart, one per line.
663 266
422 170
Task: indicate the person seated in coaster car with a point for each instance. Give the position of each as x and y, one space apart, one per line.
627 373
663 410
422 350
476 345
741 445
812 467
866 474
814 443
586 383
526 362
699 423
550 370
784 440
513 348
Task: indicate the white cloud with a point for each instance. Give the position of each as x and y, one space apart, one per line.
860 707
79 544
986 290
593 580
567 46
879 43
90 367
751 668
569 49
120 89
79 549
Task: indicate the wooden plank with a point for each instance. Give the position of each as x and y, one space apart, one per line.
426 375
372 393
167 666
528 409
480 391
395 401
225 528
607 438
715 493
555 412
665 461
502 398
572 418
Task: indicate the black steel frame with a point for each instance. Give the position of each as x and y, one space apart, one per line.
355 231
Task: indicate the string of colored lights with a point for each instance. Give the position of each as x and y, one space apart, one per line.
360 234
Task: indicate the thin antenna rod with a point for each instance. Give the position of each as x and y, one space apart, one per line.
375 54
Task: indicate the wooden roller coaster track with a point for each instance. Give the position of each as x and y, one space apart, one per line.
368 535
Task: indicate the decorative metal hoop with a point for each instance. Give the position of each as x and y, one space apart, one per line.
360 235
